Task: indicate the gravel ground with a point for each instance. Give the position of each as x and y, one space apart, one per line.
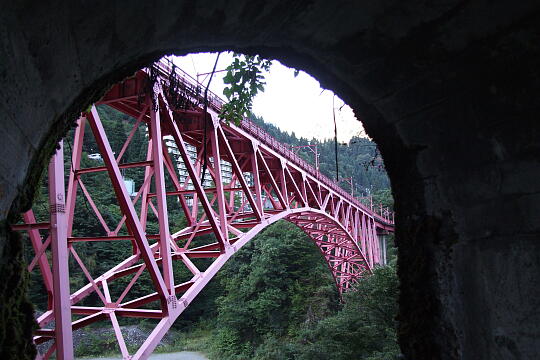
133 335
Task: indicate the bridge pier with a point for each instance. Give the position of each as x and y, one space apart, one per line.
382 246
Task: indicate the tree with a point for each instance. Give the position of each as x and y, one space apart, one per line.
272 286
365 328
384 197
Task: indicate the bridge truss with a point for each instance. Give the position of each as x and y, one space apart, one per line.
266 182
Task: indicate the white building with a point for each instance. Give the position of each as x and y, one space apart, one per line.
226 169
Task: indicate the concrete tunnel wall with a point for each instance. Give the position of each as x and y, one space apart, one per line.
449 91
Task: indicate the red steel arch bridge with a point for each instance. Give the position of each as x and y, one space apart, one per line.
252 182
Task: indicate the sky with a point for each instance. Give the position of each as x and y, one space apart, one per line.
293 104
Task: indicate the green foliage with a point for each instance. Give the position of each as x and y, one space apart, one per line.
97 344
384 197
364 328
280 303
273 286
197 339
244 79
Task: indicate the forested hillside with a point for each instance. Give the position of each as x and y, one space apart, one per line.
275 299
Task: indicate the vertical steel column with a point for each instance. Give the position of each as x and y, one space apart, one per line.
377 253
163 216
347 218
143 217
343 255
356 227
363 239
75 164
60 257
197 169
220 194
256 180
382 240
303 189
283 184
370 241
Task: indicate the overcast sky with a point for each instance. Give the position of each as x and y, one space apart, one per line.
291 103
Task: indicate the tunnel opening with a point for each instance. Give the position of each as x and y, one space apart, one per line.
448 94
87 151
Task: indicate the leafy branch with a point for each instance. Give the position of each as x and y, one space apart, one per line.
244 79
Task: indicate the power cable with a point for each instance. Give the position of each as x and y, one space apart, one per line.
335 136
193 63
205 108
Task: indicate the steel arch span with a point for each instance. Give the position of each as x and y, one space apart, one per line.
229 181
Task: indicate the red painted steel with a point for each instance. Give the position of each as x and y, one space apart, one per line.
267 182
60 256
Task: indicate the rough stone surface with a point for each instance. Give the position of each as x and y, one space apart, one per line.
448 89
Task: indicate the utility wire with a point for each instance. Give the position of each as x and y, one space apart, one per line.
335 136
205 108
193 63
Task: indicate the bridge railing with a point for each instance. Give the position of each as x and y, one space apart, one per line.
165 67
